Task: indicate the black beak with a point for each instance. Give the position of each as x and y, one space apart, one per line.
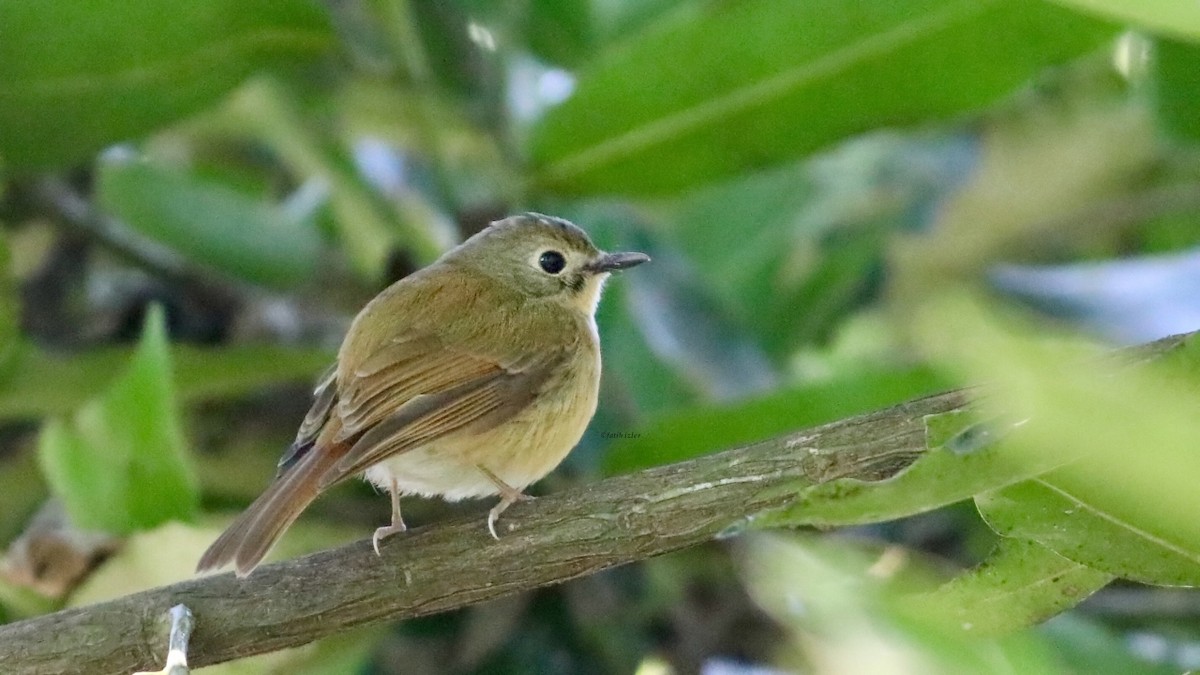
610 262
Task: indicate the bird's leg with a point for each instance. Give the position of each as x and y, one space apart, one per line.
397 522
509 495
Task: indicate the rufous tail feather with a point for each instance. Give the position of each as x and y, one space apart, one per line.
250 537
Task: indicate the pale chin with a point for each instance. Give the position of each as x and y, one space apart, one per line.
589 299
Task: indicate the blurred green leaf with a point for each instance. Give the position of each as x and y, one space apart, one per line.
1085 529
636 382
781 80
571 32
10 310
1096 649
1182 363
18 602
1168 17
211 223
792 249
41 383
692 331
79 76
369 225
1177 86
24 490
561 31
848 606
690 433
119 463
1123 502
1020 584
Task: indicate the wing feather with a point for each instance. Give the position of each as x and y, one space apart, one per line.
407 398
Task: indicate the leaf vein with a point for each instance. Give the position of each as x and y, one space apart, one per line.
758 93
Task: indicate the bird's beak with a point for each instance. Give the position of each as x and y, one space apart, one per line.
610 262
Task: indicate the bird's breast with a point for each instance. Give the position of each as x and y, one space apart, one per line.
519 451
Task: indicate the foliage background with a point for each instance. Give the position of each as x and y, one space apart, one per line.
849 204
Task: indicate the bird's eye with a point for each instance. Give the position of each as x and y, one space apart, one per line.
552 262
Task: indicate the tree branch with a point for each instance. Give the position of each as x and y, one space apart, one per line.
450 565
453 564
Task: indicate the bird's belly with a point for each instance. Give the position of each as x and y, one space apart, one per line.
519 451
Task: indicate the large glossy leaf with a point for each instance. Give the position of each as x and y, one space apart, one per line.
78 76
119 463
1169 17
211 223
750 83
1076 520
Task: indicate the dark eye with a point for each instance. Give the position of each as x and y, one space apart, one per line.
552 262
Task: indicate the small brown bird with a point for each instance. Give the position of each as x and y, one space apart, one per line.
473 377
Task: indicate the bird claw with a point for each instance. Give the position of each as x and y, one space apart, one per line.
509 500
492 517
386 531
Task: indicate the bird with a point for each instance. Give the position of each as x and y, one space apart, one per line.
472 377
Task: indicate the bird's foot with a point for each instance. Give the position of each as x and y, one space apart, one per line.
507 499
386 531
397 520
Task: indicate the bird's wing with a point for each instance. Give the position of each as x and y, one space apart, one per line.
417 389
324 398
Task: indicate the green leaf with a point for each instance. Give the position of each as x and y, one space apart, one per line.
635 378
1081 524
1177 85
369 224
1020 584
792 249
706 429
850 608
746 84
944 475
568 32
119 464
1168 17
79 76
1097 649
40 383
1182 361
939 478
10 310
211 223
1125 432
561 31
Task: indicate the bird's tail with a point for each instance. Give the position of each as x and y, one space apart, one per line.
249 538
